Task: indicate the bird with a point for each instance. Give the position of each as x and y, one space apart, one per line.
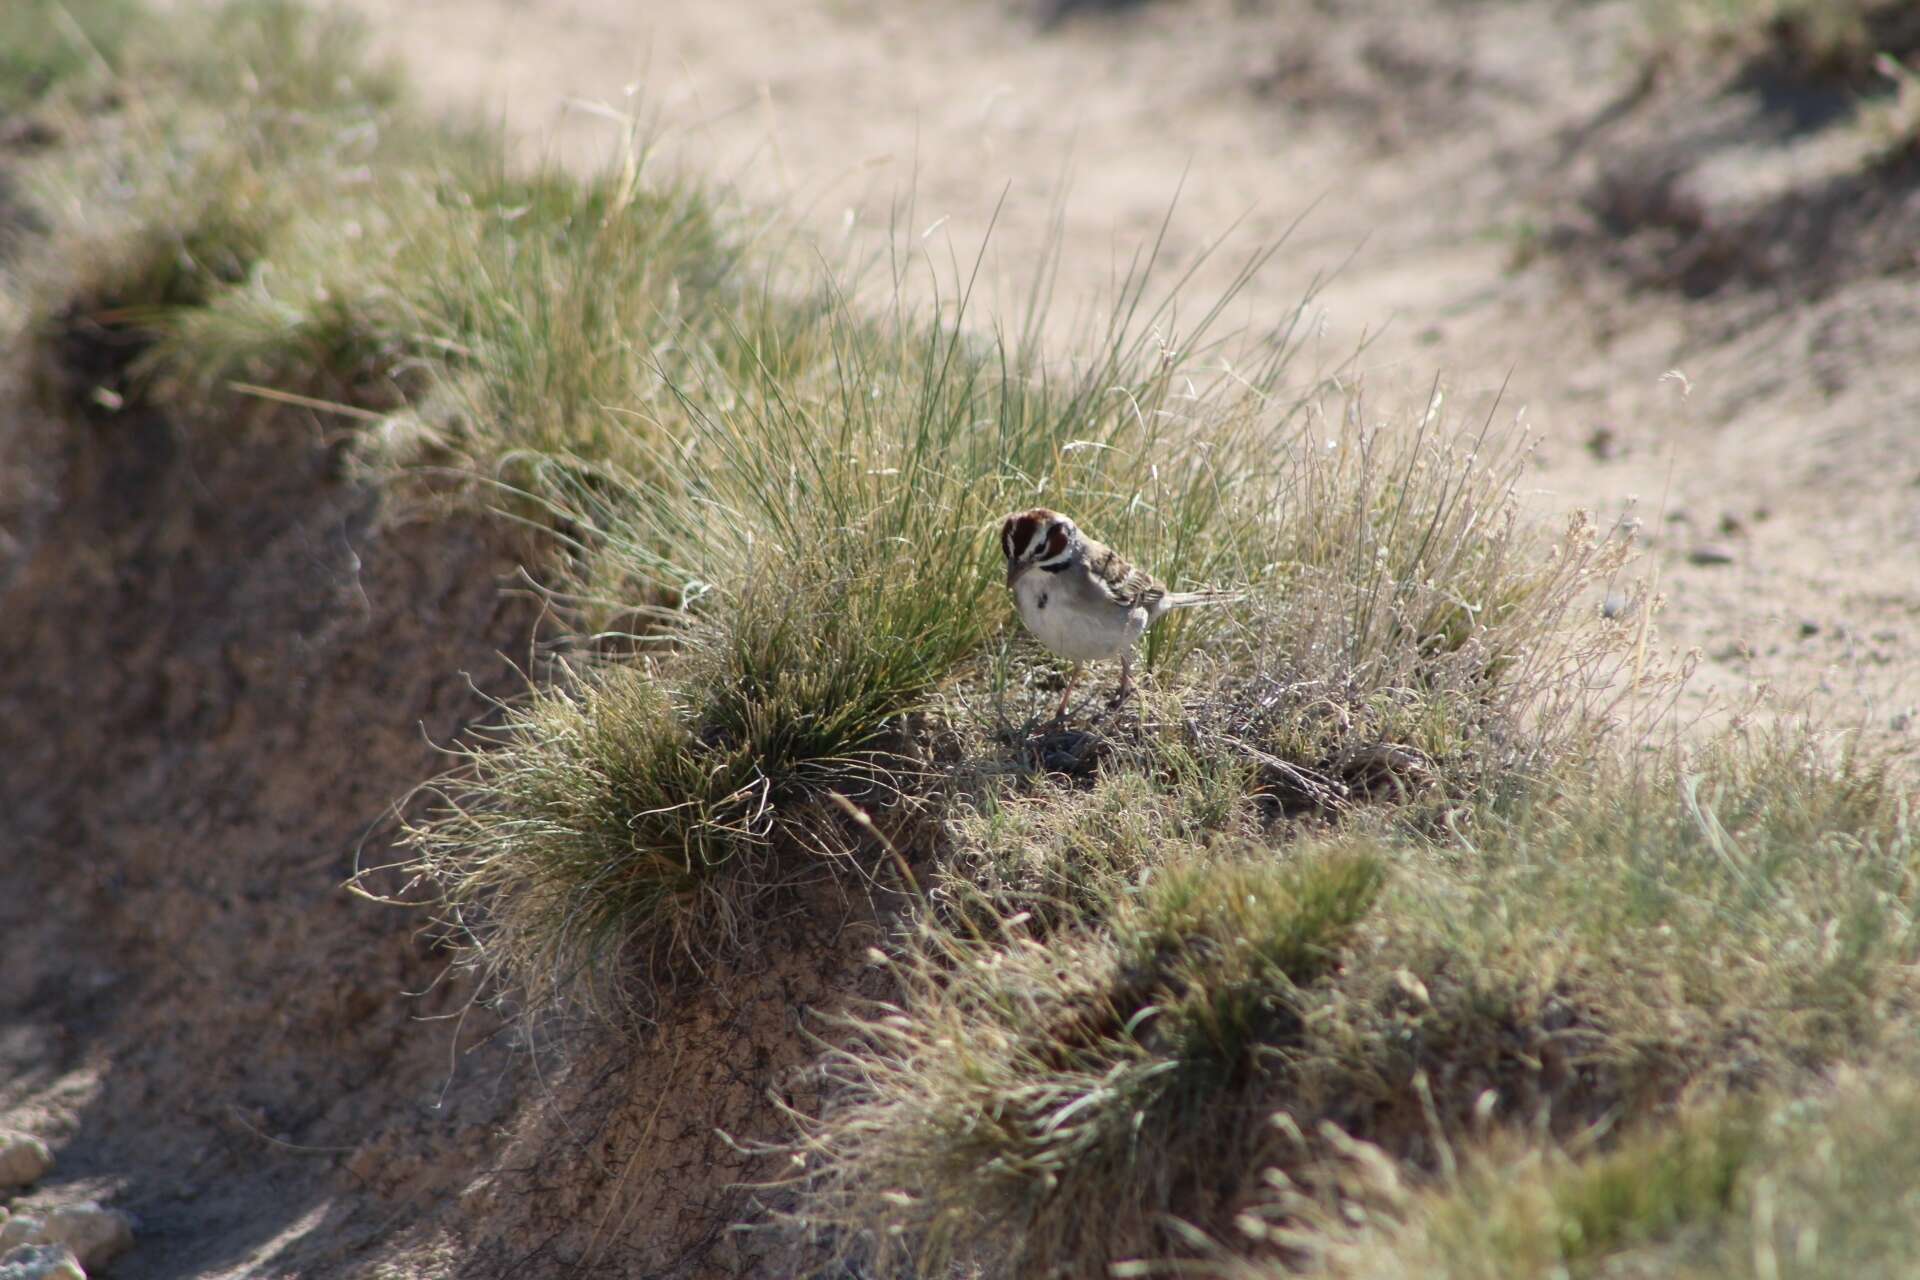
1080 599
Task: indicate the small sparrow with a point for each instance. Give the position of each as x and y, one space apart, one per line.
1079 598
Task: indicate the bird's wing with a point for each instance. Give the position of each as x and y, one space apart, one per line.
1123 583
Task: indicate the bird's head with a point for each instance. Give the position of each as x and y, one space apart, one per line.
1037 539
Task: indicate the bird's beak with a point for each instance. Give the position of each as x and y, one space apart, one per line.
1014 569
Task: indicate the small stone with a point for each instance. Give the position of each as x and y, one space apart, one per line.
1808 628
1901 721
95 1235
1710 554
1603 442
20 1228
1731 525
23 1159
40 1262
1410 986
1616 603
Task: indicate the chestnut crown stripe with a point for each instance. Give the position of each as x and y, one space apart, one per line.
1037 536
1059 543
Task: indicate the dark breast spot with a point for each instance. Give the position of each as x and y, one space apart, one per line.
1041 603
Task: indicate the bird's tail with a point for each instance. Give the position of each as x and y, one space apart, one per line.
1192 599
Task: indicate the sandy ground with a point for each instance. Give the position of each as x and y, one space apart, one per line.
1405 159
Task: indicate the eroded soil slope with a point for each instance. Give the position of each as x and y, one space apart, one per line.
225 663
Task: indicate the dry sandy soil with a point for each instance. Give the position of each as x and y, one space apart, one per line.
224 665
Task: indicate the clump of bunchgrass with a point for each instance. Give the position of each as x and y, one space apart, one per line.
519 312
1761 890
1061 851
618 823
810 564
1423 639
1513 1207
1411 639
1038 1109
233 125
1776 1185
1722 917
1706 922
614 817
568 309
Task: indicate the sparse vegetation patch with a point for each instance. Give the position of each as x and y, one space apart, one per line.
1812 189
1770 1185
1809 42
1700 927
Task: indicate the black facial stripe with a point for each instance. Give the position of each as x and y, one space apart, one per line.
1016 535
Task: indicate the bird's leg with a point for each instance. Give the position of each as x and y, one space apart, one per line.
1060 712
1126 678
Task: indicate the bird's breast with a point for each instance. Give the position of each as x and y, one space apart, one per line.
1070 626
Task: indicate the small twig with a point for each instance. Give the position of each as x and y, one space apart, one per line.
307 402
257 1132
865 820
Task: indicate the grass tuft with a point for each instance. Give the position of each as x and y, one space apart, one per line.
1778 1186
1039 1109
1725 920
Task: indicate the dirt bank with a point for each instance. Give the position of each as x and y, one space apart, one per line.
228 662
